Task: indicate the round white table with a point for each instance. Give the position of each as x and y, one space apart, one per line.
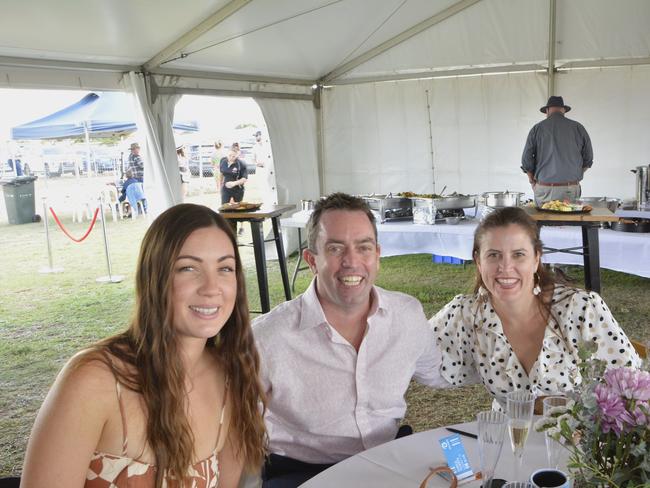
405 462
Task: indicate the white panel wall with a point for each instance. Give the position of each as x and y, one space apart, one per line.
292 130
376 136
614 106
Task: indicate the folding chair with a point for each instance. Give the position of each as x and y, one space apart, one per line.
640 349
136 198
110 199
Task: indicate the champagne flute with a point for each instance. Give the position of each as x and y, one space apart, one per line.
553 447
491 432
520 417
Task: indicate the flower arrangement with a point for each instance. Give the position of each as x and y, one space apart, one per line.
605 425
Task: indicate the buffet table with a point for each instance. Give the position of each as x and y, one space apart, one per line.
256 219
405 462
619 251
589 223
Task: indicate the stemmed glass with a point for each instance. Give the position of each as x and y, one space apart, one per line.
491 432
520 416
553 447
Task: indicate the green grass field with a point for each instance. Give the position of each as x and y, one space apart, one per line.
45 318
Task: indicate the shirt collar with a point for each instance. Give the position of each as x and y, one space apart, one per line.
312 314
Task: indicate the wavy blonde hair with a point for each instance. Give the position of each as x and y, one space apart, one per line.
148 355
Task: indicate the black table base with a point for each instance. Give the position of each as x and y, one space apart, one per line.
589 250
260 260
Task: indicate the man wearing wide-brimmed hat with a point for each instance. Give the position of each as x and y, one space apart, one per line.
135 162
557 154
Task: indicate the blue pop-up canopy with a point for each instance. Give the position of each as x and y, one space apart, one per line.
104 112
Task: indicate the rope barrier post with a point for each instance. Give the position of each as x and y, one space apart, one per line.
111 278
50 268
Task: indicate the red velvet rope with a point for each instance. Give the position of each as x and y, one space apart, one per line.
92 224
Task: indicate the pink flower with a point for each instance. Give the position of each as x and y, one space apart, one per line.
641 413
629 383
614 416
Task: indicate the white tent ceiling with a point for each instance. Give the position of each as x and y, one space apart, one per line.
279 48
308 39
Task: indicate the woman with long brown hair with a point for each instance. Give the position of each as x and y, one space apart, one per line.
174 400
521 328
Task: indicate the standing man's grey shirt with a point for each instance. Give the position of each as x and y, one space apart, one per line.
557 150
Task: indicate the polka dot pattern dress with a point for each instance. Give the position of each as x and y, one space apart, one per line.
475 349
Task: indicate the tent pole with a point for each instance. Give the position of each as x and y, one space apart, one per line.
433 163
317 101
88 157
551 49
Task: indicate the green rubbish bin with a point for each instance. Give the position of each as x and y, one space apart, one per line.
19 199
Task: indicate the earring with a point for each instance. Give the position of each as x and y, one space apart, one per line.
482 292
536 289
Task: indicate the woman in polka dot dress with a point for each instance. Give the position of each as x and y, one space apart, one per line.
520 330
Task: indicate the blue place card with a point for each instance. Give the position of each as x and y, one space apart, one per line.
454 451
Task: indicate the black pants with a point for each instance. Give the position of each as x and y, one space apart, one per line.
236 193
285 472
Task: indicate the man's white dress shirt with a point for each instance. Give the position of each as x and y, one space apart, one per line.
327 402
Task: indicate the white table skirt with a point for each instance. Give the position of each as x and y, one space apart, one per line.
619 251
405 462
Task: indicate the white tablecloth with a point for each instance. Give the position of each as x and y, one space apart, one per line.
405 462
619 251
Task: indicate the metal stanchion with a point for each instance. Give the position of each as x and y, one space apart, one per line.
111 278
50 268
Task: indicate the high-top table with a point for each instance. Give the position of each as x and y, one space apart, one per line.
405 462
589 222
256 219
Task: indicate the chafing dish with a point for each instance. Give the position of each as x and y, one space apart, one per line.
306 205
501 198
453 202
424 211
631 225
389 208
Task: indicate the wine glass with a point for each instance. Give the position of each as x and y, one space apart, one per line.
520 416
553 447
491 432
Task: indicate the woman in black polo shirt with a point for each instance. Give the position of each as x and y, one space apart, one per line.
233 178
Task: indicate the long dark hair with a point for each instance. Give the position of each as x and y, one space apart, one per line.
148 355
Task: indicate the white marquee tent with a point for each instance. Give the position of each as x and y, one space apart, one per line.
360 95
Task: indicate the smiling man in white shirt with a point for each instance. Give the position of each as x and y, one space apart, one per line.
337 360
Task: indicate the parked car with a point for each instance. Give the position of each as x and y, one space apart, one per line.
200 154
104 164
204 154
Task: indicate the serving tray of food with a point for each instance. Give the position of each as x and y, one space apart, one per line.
557 206
447 202
239 207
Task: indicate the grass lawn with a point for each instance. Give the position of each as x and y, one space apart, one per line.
45 318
